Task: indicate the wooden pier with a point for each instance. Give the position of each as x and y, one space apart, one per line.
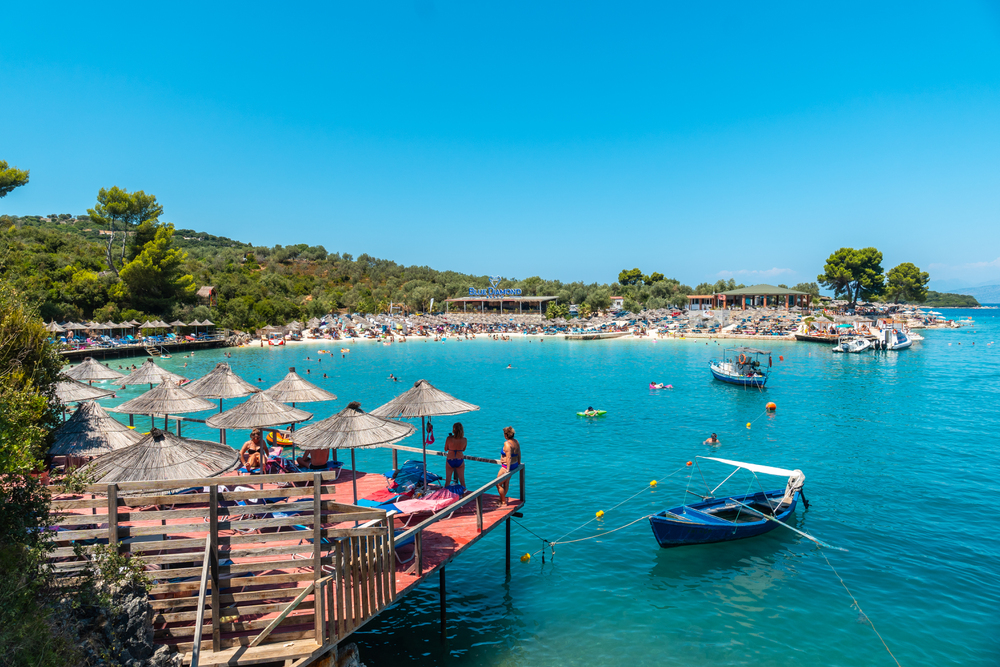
139 349
259 569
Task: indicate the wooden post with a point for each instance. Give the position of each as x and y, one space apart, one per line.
395 459
317 526
131 420
442 592
392 556
178 428
113 516
418 546
354 479
213 527
479 514
523 486
507 563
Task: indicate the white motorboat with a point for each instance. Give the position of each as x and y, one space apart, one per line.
893 339
852 344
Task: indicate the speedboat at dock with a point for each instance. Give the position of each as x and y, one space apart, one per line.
852 344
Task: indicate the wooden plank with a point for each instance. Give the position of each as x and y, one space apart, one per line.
288 492
479 514
377 569
387 558
300 620
208 481
392 556
200 620
279 635
338 570
359 612
233 582
366 606
317 532
68 535
280 617
213 536
235 568
331 632
369 542
83 503
83 519
303 648
239 610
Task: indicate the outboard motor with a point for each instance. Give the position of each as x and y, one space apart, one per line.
795 483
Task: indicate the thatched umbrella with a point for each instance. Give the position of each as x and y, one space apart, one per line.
177 323
259 411
423 400
294 389
163 456
352 429
166 399
92 432
149 373
221 383
91 370
69 390
53 327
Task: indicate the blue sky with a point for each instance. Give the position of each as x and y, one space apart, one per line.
568 140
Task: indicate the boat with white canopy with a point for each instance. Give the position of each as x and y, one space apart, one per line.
733 517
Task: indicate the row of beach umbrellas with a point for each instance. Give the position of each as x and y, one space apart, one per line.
55 327
124 455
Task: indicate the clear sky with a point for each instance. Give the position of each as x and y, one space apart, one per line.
568 140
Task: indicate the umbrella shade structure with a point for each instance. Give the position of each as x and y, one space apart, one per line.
293 389
147 325
92 432
53 327
69 390
208 323
163 456
259 411
165 399
221 383
177 323
352 429
150 373
423 400
91 371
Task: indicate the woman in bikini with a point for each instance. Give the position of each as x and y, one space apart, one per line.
510 460
455 445
252 452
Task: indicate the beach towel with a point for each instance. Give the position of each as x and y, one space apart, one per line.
432 502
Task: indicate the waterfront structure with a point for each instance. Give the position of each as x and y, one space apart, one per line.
512 303
753 296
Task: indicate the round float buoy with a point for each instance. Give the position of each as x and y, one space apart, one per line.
772 407
748 424
780 358
689 463
600 513
525 558
653 483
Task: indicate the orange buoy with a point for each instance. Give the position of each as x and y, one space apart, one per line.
772 407
780 358
689 463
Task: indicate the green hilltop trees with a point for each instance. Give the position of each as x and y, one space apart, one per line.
857 275
10 178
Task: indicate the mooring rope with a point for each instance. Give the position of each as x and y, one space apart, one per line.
858 605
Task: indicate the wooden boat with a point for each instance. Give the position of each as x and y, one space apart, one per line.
731 517
828 339
597 335
742 366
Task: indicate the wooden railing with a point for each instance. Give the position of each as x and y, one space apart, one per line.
281 564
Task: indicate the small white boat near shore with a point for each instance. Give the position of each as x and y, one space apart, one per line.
852 344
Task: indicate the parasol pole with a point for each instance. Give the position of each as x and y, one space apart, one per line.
222 431
354 477
423 445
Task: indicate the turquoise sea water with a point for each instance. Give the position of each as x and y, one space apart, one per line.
900 456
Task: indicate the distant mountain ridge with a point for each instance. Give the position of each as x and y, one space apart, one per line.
983 294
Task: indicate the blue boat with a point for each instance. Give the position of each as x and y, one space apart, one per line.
732 517
743 366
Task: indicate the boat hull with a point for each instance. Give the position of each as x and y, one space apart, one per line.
740 380
700 527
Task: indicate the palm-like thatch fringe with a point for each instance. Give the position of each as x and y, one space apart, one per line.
222 382
259 410
351 428
165 399
293 389
150 373
92 432
161 455
91 370
69 390
423 400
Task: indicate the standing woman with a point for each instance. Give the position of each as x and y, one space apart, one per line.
510 460
455 445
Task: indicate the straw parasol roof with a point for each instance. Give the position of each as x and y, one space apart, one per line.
69 390
207 323
147 325
150 373
260 410
293 389
423 400
222 382
90 370
177 323
351 428
92 432
165 399
161 455
53 327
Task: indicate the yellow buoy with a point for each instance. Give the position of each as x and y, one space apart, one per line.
748 424
525 558
599 514
653 483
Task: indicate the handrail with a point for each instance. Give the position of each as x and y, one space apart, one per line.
434 518
164 485
196 650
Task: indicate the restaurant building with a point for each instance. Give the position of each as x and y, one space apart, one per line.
755 296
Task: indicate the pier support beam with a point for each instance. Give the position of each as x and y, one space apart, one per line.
444 604
507 562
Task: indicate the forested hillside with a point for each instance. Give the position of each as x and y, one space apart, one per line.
61 262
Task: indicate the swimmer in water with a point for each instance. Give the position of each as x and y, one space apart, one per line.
713 440
509 366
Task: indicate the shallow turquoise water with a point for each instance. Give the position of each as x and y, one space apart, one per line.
899 451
